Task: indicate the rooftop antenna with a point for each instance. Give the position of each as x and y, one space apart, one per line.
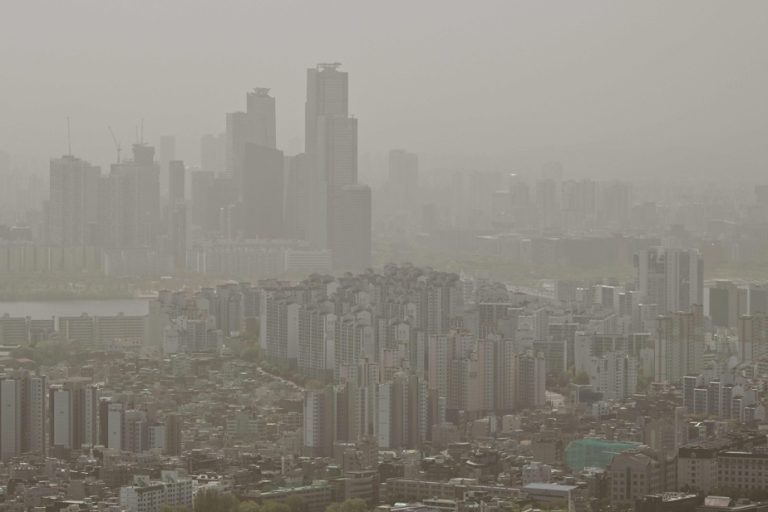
69 138
118 147
142 132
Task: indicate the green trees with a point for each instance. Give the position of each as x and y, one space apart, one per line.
295 504
168 508
215 501
351 505
248 506
581 378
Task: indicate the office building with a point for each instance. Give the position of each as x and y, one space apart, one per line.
166 152
327 95
212 150
260 109
402 188
176 182
331 147
256 126
298 220
177 235
262 192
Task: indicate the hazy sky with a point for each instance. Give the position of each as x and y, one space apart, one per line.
599 85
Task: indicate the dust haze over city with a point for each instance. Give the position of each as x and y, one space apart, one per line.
344 256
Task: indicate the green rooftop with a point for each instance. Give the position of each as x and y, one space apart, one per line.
594 453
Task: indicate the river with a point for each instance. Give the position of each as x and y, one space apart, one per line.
48 309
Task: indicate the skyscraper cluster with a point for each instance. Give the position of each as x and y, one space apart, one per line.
137 219
313 196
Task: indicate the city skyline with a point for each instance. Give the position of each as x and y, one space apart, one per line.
521 93
339 256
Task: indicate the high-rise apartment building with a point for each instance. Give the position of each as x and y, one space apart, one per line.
73 209
752 337
22 414
319 421
134 201
73 415
673 279
727 302
614 375
679 345
173 438
531 380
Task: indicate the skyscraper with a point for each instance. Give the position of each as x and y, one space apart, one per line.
166 150
134 200
679 345
403 180
298 197
237 137
166 153
262 192
352 238
73 210
673 279
201 183
177 234
176 182
255 126
331 147
212 151
260 109
327 95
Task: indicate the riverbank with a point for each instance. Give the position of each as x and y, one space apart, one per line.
47 309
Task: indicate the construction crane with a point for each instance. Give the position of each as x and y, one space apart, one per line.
118 147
